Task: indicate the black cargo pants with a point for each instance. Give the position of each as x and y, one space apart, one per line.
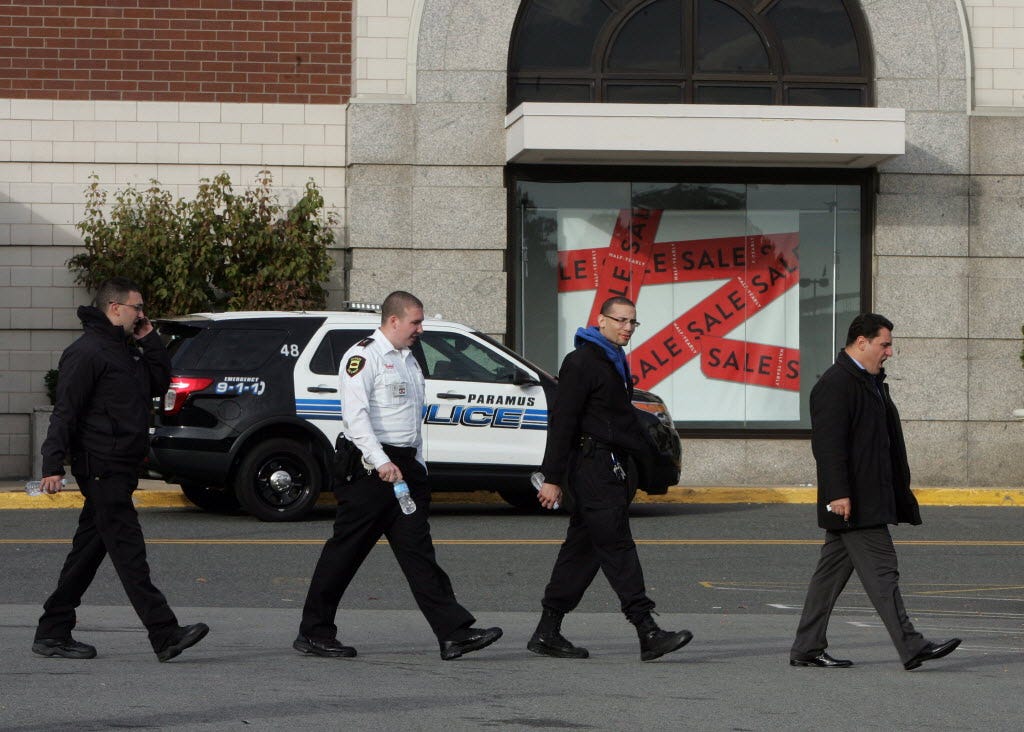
598 537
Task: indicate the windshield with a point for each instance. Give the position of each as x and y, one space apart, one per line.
515 356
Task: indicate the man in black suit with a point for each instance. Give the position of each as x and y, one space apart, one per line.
863 486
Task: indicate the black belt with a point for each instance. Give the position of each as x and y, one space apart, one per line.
401 452
589 443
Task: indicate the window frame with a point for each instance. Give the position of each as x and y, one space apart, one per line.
866 179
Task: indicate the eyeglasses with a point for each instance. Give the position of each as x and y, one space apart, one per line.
138 308
624 321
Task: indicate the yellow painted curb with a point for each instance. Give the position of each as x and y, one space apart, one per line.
67 499
783 494
172 498
725 494
970 496
74 499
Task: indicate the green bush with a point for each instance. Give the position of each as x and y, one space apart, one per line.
50 383
218 251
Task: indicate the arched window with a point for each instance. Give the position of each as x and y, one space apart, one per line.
802 52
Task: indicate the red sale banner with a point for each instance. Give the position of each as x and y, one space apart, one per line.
621 273
750 363
726 308
678 261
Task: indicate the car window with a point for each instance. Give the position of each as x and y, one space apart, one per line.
456 357
230 349
327 359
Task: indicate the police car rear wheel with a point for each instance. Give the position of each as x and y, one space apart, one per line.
214 500
278 480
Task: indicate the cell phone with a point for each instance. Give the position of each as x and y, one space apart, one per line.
140 324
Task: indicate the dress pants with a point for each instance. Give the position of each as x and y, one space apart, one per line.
598 537
108 524
870 551
367 509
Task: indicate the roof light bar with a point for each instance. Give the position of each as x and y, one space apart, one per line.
361 307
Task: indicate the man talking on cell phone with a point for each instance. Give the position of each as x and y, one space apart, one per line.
105 386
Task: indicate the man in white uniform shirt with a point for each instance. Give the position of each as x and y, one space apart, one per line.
382 392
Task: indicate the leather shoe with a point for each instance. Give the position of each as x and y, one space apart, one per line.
822 660
468 640
63 647
930 652
556 645
328 648
184 637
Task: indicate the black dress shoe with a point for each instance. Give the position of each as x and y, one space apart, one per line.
556 645
468 640
184 637
63 647
930 652
329 648
822 660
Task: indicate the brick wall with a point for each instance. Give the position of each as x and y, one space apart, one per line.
255 51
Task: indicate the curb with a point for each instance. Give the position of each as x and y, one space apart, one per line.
15 498
945 496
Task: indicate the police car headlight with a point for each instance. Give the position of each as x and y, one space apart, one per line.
658 409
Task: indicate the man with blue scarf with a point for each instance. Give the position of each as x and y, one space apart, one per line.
592 430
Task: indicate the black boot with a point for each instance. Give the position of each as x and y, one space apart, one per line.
548 640
655 642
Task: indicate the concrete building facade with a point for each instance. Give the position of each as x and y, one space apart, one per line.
408 138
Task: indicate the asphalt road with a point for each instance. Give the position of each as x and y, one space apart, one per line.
734 574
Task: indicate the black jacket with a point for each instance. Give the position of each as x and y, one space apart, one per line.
105 388
858 446
591 400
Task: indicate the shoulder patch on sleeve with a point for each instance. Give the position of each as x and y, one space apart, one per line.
355 365
365 342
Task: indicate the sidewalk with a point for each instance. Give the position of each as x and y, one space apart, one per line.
156 493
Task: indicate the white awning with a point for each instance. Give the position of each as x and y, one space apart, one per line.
703 134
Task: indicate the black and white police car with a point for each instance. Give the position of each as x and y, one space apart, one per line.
252 412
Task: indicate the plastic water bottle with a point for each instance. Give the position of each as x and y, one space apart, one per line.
35 487
404 499
537 480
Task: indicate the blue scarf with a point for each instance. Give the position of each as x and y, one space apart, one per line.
615 353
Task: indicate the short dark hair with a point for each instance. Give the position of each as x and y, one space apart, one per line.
116 289
617 300
397 303
867 325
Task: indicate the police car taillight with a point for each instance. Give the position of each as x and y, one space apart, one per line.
179 389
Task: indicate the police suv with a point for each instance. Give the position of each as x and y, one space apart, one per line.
253 411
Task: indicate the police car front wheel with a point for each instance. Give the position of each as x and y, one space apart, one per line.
208 498
278 480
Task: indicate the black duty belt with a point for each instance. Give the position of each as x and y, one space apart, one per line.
589 443
402 452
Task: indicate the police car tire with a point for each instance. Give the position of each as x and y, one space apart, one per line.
525 499
267 457
214 500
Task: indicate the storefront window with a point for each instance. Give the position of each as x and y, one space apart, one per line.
744 290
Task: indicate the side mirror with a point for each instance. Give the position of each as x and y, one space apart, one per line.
522 378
